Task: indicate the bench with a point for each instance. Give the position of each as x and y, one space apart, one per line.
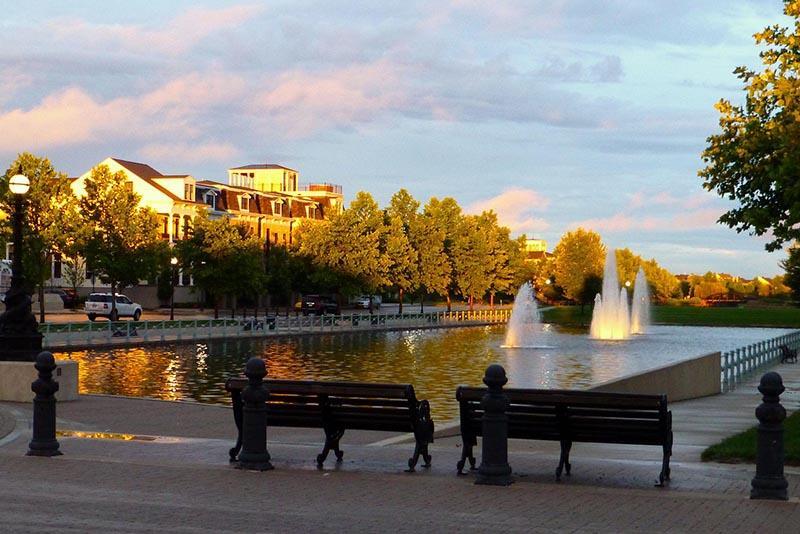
788 355
339 406
572 416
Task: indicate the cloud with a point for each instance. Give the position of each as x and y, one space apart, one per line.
516 209
303 102
688 221
176 38
189 153
12 81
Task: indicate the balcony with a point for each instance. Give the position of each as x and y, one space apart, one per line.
323 187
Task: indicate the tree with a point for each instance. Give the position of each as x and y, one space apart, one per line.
663 284
403 260
628 265
401 247
123 246
51 219
444 217
434 266
349 246
224 259
580 254
471 261
755 160
504 257
74 271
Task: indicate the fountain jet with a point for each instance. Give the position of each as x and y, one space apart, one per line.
640 309
524 322
610 318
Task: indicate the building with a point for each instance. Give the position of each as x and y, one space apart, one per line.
267 198
535 249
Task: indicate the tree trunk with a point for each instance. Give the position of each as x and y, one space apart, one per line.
216 307
422 303
491 300
113 298
400 308
470 303
448 303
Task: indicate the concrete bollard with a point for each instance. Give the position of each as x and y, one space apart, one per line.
254 453
769 482
494 469
44 442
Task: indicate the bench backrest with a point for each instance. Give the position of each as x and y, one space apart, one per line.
575 415
353 405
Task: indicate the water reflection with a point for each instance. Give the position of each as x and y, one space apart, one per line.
434 361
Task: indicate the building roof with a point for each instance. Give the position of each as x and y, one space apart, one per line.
147 173
261 166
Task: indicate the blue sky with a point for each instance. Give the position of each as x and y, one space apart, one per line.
555 113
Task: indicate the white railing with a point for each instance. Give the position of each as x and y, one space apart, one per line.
739 364
87 334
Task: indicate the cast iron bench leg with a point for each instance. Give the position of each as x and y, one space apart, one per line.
563 460
664 475
466 453
332 437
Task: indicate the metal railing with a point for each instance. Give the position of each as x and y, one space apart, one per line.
739 364
87 334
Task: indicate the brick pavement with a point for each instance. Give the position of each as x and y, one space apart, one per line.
181 481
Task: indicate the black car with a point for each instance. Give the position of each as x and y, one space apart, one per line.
68 296
319 305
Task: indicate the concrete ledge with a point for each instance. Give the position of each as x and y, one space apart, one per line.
689 379
16 379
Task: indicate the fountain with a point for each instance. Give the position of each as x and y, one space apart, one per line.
524 323
640 309
610 319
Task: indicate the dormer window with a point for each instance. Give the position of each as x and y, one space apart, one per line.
210 198
244 202
188 191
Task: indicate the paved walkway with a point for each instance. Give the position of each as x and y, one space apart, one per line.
173 475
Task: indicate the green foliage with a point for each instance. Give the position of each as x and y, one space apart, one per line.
123 246
755 159
51 223
628 265
579 255
471 263
741 448
792 267
223 259
663 284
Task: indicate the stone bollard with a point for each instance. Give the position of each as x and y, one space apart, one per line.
254 453
494 469
44 442
769 482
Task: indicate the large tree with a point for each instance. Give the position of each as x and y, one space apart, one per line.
123 246
51 223
579 258
444 217
792 267
402 247
755 159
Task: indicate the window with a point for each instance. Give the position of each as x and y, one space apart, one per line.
244 202
211 199
188 191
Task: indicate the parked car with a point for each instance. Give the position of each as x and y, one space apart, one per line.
363 302
99 305
319 305
68 296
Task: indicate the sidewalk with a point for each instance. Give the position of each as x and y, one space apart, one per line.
175 476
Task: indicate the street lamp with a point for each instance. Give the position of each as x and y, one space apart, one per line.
173 261
19 332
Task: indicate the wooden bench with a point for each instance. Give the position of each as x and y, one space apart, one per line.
788 355
572 416
339 406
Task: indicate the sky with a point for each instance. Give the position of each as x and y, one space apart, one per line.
557 114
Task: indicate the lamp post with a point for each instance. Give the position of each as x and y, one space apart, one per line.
173 262
20 339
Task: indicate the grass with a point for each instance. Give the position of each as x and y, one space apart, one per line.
788 317
741 448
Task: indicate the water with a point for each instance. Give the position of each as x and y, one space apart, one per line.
434 361
640 307
610 318
525 323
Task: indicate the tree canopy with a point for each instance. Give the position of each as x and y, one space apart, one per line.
579 257
755 159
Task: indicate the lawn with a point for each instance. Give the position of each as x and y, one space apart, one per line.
788 317
741 448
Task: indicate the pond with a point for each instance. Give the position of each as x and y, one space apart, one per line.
434 361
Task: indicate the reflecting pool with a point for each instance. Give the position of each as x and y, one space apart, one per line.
434 361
